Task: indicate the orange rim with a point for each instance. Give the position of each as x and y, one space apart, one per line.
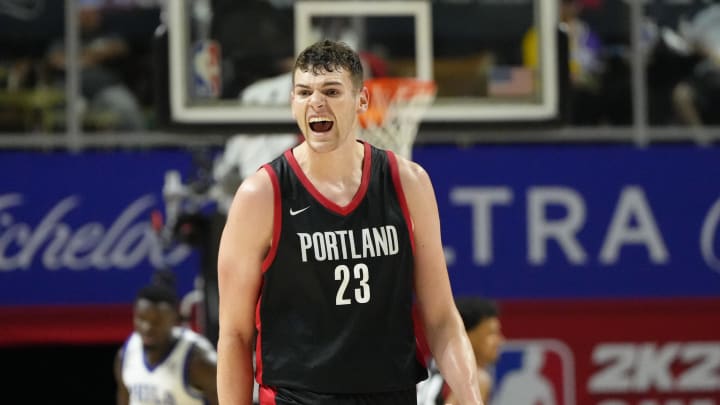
385 91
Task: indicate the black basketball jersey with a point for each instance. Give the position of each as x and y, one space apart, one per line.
334 314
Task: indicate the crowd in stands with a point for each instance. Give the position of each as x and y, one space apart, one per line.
118 73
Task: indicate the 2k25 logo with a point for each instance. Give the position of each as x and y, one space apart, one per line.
531 372
673 367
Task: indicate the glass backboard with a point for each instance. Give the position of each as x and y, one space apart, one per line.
493 61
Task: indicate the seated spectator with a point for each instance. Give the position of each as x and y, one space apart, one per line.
106 96
584 62
697 98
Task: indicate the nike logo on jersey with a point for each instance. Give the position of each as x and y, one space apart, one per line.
293 213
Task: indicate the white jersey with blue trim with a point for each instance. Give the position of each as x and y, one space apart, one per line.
430 391
166 382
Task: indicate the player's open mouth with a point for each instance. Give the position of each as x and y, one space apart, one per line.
320 124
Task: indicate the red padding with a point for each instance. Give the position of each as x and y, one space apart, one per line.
97 324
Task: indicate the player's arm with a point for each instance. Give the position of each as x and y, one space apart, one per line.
485 385
122 395
243 246
444 329
202 372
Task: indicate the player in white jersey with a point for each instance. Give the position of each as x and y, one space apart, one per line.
161 363
482 323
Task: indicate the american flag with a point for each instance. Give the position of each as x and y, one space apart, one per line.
510 81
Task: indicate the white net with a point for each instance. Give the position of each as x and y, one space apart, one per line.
396 107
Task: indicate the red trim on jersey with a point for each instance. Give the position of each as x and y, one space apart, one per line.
327 203
422 348
445 391
277 225
277 218
267 395
401 196
258 344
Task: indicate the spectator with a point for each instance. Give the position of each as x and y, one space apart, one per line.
585 65
108 99
697 98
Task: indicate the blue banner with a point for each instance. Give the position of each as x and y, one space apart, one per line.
518 222
608 221
75 229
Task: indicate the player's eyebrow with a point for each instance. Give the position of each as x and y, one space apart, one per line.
325 84
332 83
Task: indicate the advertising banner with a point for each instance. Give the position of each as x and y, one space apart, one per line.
605 261
76 241
579 221
533 224
650 352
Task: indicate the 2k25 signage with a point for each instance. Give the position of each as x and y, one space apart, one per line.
579 221
619 352
76 235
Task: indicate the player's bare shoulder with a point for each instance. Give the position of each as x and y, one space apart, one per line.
250 217
256 189
203 356
201 346
202 365
415 180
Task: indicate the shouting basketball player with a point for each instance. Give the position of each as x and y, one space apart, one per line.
324 253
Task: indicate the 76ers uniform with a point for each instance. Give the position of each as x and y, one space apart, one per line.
166 382
434 390
335 312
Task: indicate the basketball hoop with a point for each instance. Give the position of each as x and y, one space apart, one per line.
397 105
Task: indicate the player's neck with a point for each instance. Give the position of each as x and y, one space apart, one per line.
337 175
342 164
155 355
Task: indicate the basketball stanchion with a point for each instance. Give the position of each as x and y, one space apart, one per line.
397 105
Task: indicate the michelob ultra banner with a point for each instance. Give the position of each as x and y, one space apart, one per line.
608 221
76 241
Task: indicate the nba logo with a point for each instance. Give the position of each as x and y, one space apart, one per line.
532 372
206 70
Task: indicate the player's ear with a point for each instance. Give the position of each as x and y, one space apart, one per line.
364 100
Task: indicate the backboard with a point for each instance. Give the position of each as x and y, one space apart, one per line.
492 61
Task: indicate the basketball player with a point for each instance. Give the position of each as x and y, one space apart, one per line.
324 252
161 363
482 323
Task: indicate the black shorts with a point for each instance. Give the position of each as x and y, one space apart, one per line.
292 396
